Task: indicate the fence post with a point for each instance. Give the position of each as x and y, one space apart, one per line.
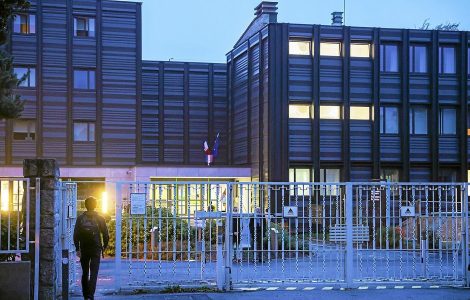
117 255
465 254
228 238
349 236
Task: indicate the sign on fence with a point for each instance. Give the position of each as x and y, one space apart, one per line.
138 203
290 212
407 211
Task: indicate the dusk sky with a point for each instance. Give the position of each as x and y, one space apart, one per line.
204 30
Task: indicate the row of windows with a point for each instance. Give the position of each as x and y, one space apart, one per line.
389 55
26 24
389 117
25 130
82 78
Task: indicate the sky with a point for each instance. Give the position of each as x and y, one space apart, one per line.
205 30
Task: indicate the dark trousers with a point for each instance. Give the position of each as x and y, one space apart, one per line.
90 265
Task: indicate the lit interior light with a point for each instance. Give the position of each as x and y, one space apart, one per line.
4 196
104 202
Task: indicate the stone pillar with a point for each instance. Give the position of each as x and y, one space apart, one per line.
49 238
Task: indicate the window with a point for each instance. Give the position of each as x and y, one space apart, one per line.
418 59
418 120
388 58
84 79
300 175
359 113
330 48
390 174
24 23
447 175
24 130
30 80
360 50
330 112
299 111
447 121
330 176
84 26
299 47
389 120
446 60
84 132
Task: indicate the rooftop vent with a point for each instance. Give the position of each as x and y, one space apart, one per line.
337 18
266 7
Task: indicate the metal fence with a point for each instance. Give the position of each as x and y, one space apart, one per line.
273 233
68 193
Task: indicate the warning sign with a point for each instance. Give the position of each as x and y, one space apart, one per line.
290 212
407 211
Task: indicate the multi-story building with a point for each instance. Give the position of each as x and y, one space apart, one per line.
293 103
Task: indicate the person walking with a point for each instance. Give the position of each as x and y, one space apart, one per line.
89 228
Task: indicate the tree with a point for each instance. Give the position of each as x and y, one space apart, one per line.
443 26
11 105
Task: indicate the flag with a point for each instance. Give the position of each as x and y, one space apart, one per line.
207 150
215 150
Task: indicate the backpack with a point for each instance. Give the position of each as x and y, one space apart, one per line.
89 231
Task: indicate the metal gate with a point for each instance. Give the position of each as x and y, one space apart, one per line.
238 234
68 193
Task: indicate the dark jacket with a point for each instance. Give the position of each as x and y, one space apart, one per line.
98 245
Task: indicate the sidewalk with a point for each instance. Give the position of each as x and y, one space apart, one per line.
371 294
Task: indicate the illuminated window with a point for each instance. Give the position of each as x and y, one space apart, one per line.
24 23
24 130
330 49
330 112
299 111
300 175
360 50
84 26
359 113
330 176
390 174
299 47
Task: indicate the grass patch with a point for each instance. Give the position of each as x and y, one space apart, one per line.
176 289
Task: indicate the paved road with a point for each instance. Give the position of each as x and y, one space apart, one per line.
420 294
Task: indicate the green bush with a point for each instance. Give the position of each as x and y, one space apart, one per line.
9 220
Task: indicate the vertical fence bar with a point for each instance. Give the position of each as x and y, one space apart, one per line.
117 272
349 235
36 238
229 238
465 252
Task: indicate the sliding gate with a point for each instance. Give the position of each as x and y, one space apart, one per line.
240 234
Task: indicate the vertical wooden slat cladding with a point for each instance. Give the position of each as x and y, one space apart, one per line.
173 124
2 142
240 110
420 148
331 79
360 140
168 79
300 78
119 69
390 148
420 174
300 140
150 112
254 72
361 173
54 80
331 141
198 111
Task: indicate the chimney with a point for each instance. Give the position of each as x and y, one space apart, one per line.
337 18
267 8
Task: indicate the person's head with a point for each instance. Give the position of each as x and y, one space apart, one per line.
90 203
